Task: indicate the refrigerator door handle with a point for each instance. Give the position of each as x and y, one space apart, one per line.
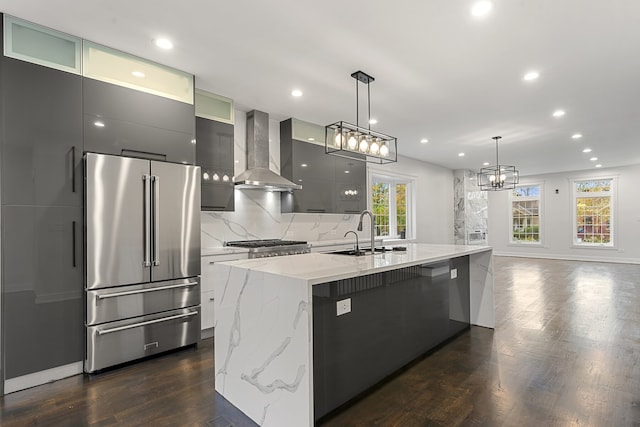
148 322
146 227
156 219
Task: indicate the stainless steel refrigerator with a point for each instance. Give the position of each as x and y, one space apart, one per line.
142 239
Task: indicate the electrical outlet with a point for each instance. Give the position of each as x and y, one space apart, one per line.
454 273
343 307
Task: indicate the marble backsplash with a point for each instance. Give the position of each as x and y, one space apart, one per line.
257 216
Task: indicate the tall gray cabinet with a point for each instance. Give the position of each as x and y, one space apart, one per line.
42 311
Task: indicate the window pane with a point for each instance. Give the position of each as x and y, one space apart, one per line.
593 186
593 215
380 205
525 214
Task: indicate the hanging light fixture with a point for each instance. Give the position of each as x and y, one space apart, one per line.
498 177
354 142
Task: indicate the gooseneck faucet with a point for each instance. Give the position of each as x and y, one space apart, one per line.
373 228
355 234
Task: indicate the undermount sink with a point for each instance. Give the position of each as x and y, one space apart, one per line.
361 252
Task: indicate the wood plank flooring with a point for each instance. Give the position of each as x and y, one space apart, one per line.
565 352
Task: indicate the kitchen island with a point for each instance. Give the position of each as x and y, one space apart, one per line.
297 336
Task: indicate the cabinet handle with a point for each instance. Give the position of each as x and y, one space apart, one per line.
211 299
73 243
352 212
73 171
316 210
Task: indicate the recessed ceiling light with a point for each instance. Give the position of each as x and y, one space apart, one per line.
193 141
485 164
311 139
99 124
424 140
347 171
598 165
137 74
559 113
460 154
163 43
373 121
576 136
296 92
481 8
304 165
593 159
236 161
531 75
586 150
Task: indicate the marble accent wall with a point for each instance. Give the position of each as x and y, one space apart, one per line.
471 206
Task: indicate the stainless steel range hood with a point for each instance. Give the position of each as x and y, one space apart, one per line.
258 176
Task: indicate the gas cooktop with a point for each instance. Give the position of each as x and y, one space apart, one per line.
264 243
271 247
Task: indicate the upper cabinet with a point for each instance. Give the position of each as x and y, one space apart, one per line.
330 184
214 150
119 68
42 46
136 107
214 107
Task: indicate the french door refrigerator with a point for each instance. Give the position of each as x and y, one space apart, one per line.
142 240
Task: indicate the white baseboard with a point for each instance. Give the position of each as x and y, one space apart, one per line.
569 257
42 377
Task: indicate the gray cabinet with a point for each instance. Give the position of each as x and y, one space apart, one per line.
42 144
214 155
330 184
42 219
123 121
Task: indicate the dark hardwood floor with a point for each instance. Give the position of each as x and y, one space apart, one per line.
565 352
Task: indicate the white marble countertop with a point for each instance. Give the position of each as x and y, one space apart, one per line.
317 268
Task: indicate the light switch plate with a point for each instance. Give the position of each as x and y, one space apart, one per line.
343 307
454 273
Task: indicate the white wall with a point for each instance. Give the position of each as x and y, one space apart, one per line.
557 220
257 213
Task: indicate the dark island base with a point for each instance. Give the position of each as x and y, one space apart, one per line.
396 317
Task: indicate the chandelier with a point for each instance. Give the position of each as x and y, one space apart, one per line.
355 142
498 177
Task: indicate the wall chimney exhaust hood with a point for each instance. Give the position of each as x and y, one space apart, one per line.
258 176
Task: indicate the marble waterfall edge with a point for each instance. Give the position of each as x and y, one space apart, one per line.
263 333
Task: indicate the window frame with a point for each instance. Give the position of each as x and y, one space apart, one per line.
612 193
541 225
393 179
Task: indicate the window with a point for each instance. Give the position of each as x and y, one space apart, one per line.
593 212
525 214
390 202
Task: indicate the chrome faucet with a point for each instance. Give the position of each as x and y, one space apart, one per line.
355 234
373 228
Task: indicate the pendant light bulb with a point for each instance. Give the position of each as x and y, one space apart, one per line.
352 142
375 147
384 150
364 144
339 138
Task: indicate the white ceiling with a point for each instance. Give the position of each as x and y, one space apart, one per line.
440 73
